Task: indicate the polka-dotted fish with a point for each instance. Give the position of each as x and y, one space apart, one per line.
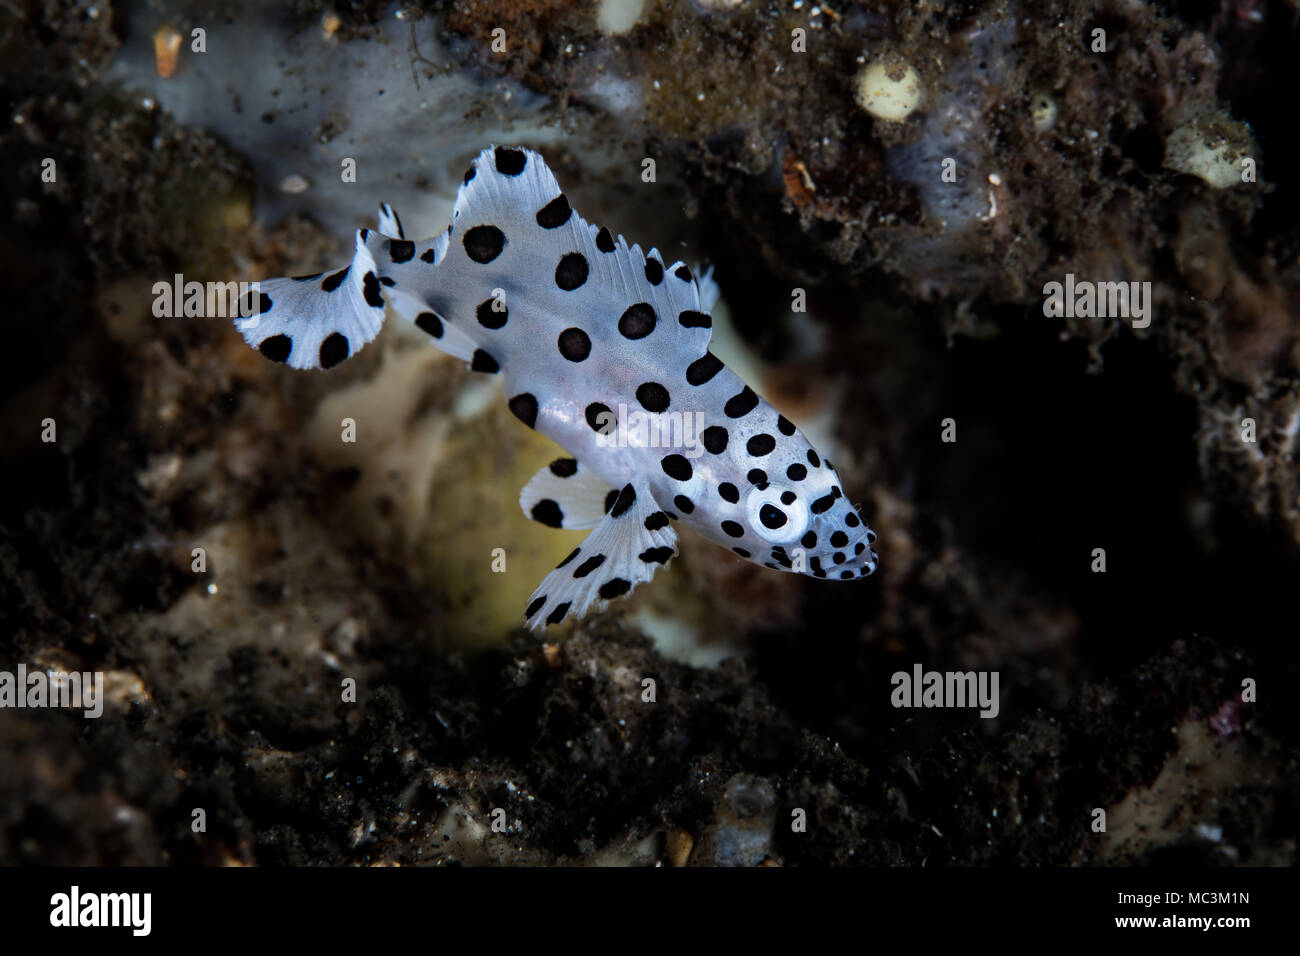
584 329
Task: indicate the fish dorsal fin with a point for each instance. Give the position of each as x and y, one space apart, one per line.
515 235
627 547
390 224
708 287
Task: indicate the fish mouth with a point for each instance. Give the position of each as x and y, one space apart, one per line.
852 567
856 564
859 567
868 560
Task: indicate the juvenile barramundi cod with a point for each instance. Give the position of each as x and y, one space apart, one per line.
581 325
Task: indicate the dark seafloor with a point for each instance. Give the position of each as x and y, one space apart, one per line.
1120 690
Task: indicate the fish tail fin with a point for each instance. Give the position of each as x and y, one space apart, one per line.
316 321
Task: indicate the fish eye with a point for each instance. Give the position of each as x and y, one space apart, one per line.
777 513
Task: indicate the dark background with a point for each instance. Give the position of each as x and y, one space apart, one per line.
1119 690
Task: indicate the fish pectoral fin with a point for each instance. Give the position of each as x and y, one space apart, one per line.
565 494
627 547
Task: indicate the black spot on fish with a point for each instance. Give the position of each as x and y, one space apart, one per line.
626 499
484 243
483 362
489 316
548 513
703 369
334 281
571 271
333 350
370 289
600 418
742 404
614 587
510 162
638 321
524 407
555 213
677 467
430 324
575 345
715 439
652 396
276 347
656 521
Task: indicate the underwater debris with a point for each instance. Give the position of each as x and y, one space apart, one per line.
889 90
1044 111
166 46
1219 152
618 16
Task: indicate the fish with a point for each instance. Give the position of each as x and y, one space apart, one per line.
604 349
